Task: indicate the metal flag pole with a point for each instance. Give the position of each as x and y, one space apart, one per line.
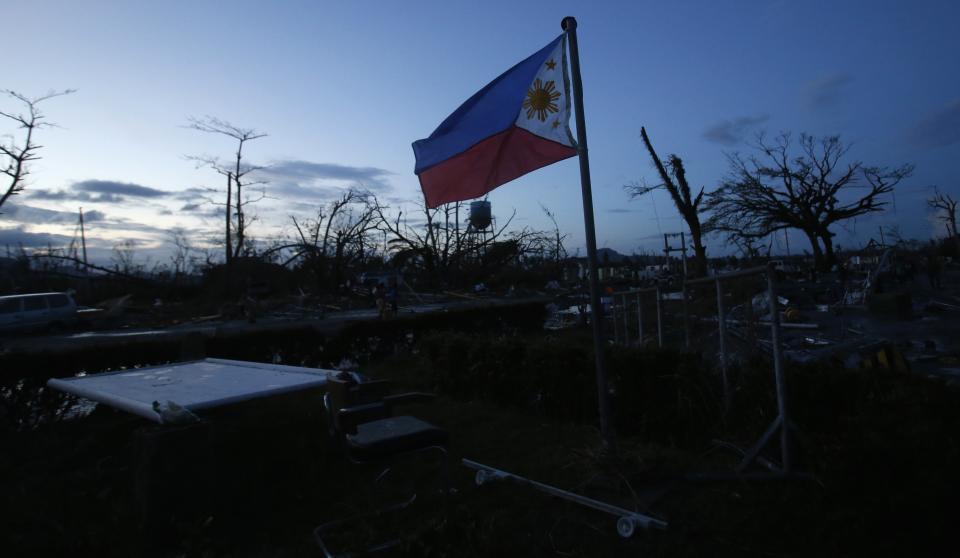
569 25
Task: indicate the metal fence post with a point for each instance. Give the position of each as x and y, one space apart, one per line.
659 319
626 326
614 321
722 320
686 316
639 320
778 370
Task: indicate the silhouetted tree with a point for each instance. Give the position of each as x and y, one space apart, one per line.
180 258
235 171
674 181
433 241
811 191
555 248
15 157
947 206
340 235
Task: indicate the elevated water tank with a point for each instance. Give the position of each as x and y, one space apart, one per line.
480 216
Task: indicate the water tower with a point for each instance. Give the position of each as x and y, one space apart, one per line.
480 216
480 227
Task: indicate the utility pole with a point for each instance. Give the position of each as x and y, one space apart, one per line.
83 238
683 253
667 249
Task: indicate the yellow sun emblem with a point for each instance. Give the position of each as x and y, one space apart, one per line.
541 100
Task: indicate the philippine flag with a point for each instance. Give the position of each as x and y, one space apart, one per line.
518 123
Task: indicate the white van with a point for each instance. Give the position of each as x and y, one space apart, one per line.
36 311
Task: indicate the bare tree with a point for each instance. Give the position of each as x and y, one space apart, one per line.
947 206
180 259
235 172
123 256
337 237
558 252
15 157
812 191
435 241
674 181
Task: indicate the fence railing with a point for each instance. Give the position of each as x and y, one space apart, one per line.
621 312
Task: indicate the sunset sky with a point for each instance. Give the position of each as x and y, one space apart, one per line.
343 88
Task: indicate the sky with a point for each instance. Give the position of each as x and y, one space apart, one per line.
343 88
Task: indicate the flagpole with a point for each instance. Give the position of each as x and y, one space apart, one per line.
569 25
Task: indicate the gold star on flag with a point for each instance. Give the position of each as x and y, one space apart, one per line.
551 64
556 124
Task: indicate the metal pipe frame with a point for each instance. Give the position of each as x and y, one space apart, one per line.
627 520
659 318
721 318
626 326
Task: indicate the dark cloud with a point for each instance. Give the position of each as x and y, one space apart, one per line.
64 195
202 210
940 128
37 215
826 91
18 236
118 188
732 132
22 215
194 193
106 191
314 179
298 194
94 216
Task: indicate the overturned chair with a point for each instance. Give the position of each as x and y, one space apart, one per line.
363 426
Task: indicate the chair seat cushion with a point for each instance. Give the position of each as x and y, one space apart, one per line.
394 435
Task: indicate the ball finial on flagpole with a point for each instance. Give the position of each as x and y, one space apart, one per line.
568 23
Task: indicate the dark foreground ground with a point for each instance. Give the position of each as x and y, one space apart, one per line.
883 447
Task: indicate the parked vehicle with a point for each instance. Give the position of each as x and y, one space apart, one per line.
29 312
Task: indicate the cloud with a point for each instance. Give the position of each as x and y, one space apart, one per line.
826 91
18 236
35 215
940 128
110 187
193 194
204 211
106 191
65 195
97 221
732 132
305 179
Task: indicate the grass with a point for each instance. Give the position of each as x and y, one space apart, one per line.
884 448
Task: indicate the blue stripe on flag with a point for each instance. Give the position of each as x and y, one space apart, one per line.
490 111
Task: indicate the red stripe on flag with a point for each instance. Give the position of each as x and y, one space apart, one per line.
488 164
